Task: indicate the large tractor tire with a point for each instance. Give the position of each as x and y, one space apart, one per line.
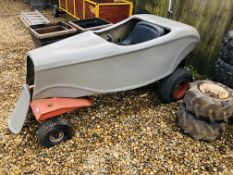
223 73
227 48
198 129
209 100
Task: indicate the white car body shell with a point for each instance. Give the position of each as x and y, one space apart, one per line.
87 64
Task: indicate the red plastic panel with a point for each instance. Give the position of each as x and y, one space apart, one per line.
44 109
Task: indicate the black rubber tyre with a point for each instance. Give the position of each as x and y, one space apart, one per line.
56 11
54 131
213 103
227 48
174 86
198 129
223 73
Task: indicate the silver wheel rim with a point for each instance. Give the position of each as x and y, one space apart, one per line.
56 137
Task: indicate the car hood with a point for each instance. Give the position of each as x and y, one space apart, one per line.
79 48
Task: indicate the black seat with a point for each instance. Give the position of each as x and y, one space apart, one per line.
143 31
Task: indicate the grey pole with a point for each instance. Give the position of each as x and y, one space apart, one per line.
170 12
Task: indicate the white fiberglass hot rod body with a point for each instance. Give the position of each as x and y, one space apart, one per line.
133 53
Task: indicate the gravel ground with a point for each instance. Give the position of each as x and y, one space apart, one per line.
123 133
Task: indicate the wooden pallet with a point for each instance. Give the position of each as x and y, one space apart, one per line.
33 18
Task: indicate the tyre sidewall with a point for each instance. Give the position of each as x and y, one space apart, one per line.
223 73
206 107
196 128
168 85
65 129
45 133
227 48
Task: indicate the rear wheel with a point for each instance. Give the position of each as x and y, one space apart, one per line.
174 86
54 131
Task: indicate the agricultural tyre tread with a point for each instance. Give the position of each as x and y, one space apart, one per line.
223 73
198 129
205 106
227 48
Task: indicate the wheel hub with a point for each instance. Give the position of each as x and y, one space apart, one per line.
56 136
213 90
180 89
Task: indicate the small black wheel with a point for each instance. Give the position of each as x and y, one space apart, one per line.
56 11
174 86
54 131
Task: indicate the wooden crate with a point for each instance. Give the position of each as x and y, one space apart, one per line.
62 4
43 34
69 6
110 10
73 7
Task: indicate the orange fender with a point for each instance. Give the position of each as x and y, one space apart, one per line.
44 109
